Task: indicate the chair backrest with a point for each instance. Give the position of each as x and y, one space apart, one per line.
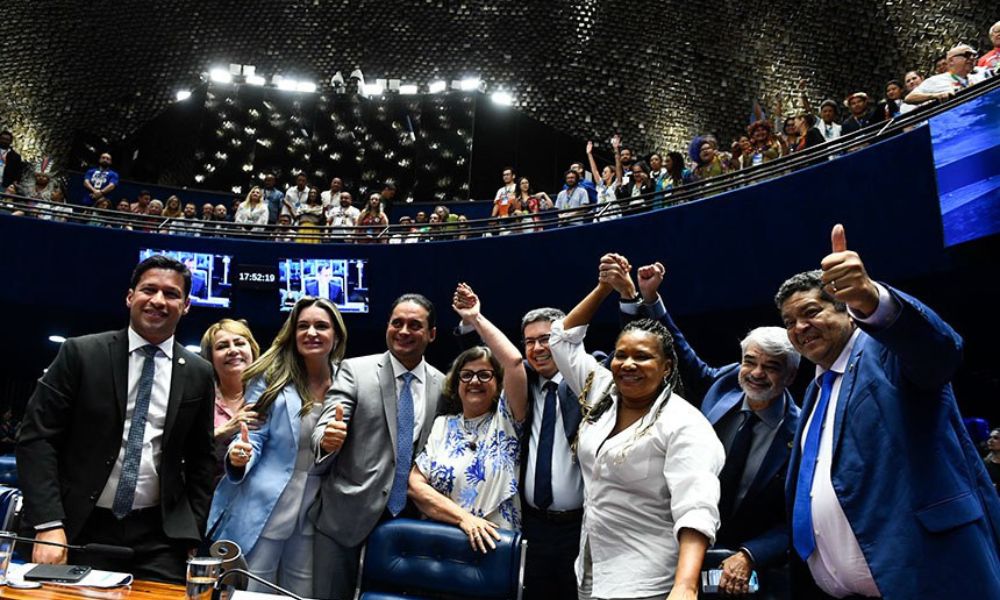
10 508
425 557
8 470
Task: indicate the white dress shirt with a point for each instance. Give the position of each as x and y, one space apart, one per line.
567 484
294 197
838 565
416 390
643 485
147 488
831 131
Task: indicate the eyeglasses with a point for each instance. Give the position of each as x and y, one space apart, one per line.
483 376
542 340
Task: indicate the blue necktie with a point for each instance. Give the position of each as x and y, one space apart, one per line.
125 492
543 460
803 537
404 446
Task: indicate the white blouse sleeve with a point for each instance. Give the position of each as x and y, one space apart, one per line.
570 356
694 460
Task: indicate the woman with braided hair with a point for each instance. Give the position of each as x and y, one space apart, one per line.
650 461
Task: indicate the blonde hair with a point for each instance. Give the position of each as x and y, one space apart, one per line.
281 365
237 327
176 212
260 196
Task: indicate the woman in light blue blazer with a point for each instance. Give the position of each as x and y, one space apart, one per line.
262 501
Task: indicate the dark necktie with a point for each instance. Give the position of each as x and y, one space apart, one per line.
736 462
803 536
404 447
129 476
543 459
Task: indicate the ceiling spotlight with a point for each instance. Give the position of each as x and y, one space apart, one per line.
502 98
220 75
373 89
57 339
408 89
183 95
436 87
256 79
288 85
305 86
469 84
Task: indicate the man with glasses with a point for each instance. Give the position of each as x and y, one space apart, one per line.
961 62
388 402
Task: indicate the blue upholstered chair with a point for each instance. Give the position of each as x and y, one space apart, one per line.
979 430
405 558
8 470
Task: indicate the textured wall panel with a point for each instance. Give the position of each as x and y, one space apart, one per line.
659 72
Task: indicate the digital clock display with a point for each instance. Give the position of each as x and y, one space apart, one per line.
257 277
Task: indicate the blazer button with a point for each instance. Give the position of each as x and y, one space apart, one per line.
93 496
385 492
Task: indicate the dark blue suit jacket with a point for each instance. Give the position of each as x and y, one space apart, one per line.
759 523
908 477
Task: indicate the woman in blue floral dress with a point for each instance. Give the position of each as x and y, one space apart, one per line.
467 473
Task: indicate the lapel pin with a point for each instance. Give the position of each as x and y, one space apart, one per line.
181 361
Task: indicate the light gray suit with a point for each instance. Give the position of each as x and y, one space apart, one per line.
357 480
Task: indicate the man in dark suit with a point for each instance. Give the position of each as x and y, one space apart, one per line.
866 518
387 402
116 442
10 160
326 285
755 417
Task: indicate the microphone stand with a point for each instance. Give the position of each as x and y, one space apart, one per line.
107 549
260 580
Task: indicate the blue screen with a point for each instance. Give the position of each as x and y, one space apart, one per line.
210 284
966 143
343 281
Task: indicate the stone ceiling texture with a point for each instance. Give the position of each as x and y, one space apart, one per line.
658 72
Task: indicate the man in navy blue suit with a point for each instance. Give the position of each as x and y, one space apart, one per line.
873 515
755 417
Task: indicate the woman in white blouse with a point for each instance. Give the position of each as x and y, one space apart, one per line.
253 210
650 461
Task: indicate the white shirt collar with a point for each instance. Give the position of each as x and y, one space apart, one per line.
542 380
136 341
840 365
398 369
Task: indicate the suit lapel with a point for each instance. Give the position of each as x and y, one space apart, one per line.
793 460
177 380
118 354
432 391
724 405
777 453
387 387
846 390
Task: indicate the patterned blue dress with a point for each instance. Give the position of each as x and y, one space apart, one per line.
475 462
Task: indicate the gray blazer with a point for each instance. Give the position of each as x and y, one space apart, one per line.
357 479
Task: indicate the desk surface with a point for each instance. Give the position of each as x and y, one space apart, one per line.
139 590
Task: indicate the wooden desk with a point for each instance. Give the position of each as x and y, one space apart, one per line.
139 590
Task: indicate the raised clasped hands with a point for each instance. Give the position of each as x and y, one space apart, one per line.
845 278
465 303
650 278
613 271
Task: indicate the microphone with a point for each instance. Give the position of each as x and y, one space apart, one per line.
233 563
120 552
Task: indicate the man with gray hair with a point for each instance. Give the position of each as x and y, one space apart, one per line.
755 417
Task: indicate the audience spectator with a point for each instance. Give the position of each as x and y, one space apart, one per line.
208 211
388 402
296 196
571 196
809 136
141 203
253 210
890 106
125 214
627 158
657 172
764 145
309 218
710 163
100 180
188 224
485 404
387 197
828 125
529 199
284 232
273 197
649 519
991 60
639 188
581 178
941 64
372 220
505 200
677 173
11 164
607 182
992 458
420 219
269 486
230 346
155 208
56 208
220 214
331 197
789 135
861 115
961 61
37 186
912 79
97 216
341 217
172 208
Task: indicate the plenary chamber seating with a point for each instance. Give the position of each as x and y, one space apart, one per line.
406 558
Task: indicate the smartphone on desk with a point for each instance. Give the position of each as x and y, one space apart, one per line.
57 573
710 581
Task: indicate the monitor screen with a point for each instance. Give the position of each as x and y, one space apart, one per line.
210 275
342 280
966 143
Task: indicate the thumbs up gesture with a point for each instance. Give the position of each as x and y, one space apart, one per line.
845 278
241 450
335 431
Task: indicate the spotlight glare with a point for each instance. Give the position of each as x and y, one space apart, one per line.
256 80
408 89
502 98
193 348
57 339
183 95
372 89
436 87
220 75
305 86
470 84
288 85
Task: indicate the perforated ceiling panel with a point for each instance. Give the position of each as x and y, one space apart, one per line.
658 72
